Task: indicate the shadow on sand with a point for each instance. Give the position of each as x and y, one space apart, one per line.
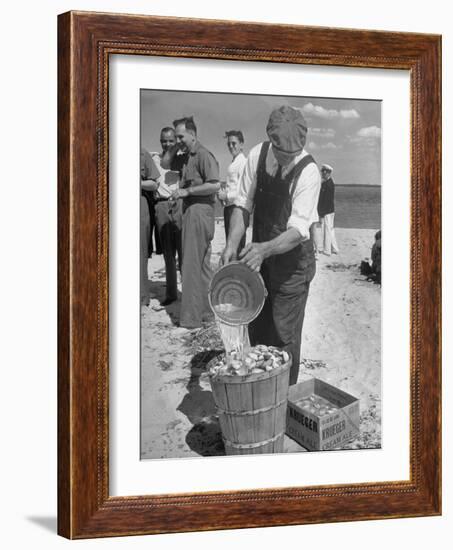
157 289
205 437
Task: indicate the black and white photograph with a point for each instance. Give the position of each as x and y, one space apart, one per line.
260 274
199 342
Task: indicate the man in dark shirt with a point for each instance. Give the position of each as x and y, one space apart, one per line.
325 240
199 185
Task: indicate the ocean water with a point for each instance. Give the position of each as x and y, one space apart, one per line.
356 206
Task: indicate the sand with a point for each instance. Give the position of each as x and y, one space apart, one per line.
341 344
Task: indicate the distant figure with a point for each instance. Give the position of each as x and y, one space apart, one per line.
325 240
227 195
376 256
373 271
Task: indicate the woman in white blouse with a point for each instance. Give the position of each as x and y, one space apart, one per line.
228 193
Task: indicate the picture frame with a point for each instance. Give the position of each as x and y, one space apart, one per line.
85 507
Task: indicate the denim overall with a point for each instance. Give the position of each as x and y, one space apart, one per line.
287 276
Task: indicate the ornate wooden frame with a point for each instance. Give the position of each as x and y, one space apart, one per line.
85 41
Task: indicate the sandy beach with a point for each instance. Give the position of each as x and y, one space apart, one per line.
341 344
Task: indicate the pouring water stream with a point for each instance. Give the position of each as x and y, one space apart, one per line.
235 338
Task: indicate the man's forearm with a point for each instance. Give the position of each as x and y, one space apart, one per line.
286 241
149 185
205 189
238 224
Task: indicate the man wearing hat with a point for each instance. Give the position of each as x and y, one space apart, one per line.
280 185
325 241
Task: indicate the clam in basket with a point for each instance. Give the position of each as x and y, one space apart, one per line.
252 409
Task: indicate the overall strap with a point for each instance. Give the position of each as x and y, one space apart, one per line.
297 171
261 168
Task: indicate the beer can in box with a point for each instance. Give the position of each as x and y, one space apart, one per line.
324 432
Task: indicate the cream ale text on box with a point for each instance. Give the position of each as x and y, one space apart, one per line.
326 432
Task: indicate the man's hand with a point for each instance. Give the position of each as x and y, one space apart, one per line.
253 255
179 194
228 255
222 194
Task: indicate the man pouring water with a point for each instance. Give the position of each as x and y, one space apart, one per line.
280 186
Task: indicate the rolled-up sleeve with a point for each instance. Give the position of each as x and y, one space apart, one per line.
304 210
247 185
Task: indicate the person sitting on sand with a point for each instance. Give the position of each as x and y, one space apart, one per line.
373 271
376 256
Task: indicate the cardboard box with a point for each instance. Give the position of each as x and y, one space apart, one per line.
327 432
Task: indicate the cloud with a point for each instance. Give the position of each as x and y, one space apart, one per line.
316 110
329 145
349 113
368 137
322 132
369 132
313 146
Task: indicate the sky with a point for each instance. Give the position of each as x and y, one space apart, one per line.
345 133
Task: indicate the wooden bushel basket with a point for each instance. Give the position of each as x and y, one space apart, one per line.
252 410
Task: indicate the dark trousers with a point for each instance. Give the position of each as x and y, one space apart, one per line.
145 235
168 222
197 234
227 212
281 319
153 224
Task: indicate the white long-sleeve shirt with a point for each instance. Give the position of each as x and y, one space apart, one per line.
304 210
234 174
